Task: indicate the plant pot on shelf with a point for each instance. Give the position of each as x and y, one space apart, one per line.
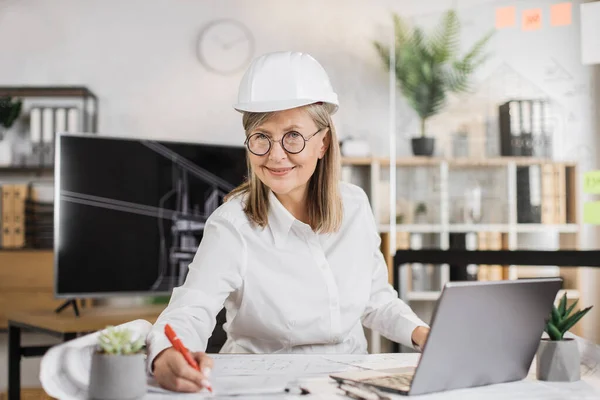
558 361
423 146
5 151
117 376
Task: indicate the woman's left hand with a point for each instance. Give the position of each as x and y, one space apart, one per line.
419 336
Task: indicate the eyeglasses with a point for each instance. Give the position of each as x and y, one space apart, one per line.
292 142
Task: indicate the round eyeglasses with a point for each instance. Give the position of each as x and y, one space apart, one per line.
292 142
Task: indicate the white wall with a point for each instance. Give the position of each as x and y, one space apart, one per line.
139 57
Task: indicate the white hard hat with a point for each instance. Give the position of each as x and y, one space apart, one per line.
283 80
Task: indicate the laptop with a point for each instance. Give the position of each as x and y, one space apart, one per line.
482 333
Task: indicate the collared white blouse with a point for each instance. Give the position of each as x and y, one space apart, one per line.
286 288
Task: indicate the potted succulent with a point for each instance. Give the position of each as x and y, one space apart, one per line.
428 68
118 366
558 358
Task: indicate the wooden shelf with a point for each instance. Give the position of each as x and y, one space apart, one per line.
505 228
356 161
45 91
417 228
27 170
453 162
25 251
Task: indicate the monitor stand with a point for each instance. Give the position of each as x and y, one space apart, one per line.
71 302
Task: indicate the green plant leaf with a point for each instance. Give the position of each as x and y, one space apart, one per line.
9 111
567 324
119 341
571 307
428 67
474 56
444 42
555 316
553 332
562 306
402 32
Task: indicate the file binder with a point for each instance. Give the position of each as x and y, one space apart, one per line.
73 120
7 216
35 135
529 202
47 136
560 187
18 224
525 129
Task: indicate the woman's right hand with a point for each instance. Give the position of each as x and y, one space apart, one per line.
172 371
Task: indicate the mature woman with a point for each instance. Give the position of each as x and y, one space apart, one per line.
293 254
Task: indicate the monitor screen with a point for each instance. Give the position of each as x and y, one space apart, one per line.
130 212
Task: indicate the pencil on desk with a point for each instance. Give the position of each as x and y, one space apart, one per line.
178 345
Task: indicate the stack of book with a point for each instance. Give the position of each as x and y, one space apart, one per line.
39 216
27 212
12 210
542 194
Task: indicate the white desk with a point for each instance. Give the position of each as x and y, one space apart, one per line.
313 366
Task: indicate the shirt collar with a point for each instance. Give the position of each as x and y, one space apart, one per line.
280 220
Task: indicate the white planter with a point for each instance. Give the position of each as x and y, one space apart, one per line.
115 377
558 361
5 151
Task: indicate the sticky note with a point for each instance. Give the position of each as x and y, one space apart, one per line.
560 14
505 17
532 19
591 212
591 182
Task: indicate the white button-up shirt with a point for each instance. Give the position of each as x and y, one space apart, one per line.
286 288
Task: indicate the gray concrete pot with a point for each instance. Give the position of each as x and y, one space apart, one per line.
558 361
115 377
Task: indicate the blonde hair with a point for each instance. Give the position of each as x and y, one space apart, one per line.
324 201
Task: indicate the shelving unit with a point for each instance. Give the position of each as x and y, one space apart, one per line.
88 98
26 274
372 174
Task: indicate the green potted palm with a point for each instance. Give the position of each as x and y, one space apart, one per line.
558 358
428 68
118 366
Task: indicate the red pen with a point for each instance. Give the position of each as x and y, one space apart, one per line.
178 345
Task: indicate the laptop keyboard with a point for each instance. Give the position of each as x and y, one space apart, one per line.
398 382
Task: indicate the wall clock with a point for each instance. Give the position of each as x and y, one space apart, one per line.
225 46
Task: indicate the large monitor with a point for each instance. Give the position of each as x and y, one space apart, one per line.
130 212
